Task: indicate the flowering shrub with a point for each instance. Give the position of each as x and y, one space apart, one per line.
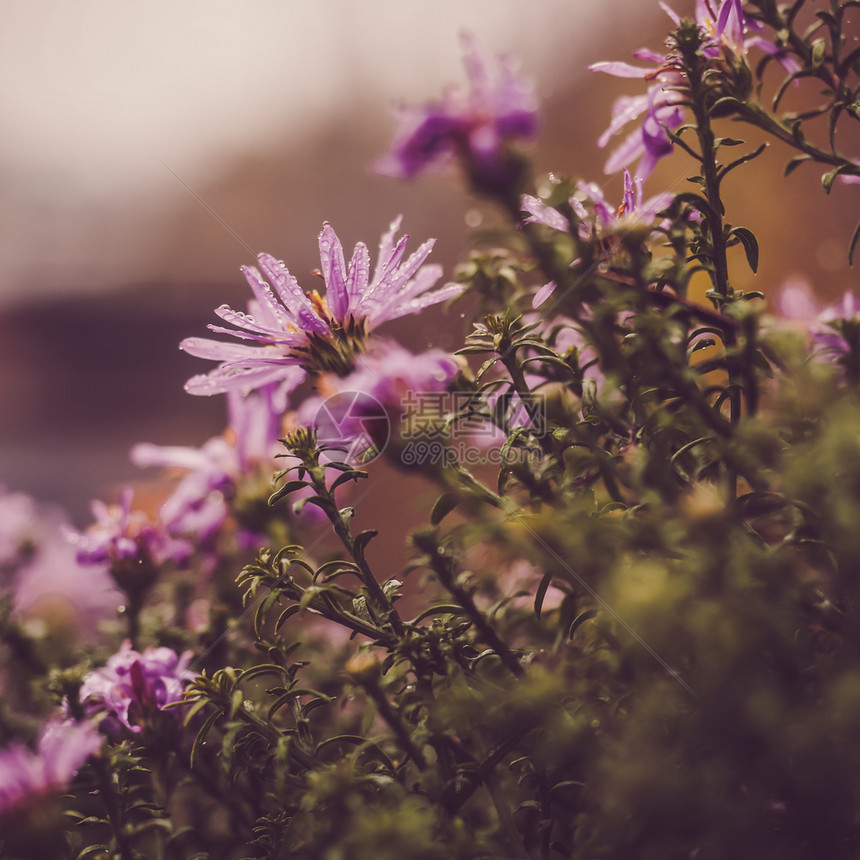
628 626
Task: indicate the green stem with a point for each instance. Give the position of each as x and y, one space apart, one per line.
700 99
442 567
759 117
342 530
115 815
509 358
396 724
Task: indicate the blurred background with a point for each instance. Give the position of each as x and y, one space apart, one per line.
150 150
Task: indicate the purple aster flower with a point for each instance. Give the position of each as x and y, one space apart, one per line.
649 142
539 213
289 332
726 27
121 537
198 506
134 686
474 124
632 211
200 503
27 776
731 28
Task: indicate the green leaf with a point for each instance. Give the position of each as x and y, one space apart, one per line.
352 475
443 506
285 490
725 102
853 244
742 160
697 202
758 504
288 613
795 163
442 609
261 669
580 620
486 366
310 500
827 178
236 702
201 737
541 593
262 608
819 47
750 243
279 703
92 851
197 706
361 540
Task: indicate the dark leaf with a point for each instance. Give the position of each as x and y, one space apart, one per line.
750 243
541 593
443 506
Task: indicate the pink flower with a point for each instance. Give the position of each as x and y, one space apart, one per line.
292 332
120 536
133 686
28 776
649 142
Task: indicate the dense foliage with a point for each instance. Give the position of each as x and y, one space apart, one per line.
628 626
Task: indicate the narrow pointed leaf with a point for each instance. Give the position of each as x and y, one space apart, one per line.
750 243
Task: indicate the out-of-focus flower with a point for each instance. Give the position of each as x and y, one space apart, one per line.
40 569
28 777
121 537
134 686
293 332
474 125
24 526
65 595
835 324
833 332
200 503
796 302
